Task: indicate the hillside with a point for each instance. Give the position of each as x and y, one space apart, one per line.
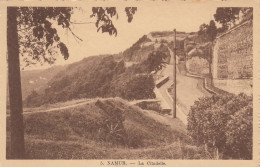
101 76
97 76
37 79
140 50
105 129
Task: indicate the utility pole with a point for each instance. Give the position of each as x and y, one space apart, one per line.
174 76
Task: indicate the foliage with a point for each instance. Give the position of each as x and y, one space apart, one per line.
240 131
39 41
86 125
228 16
136 49
208 31
156 61
38 33
103 21
164 49
113 123
98 76
179 45
82 129
130 11
138 87
247 14
223 123
32 99
206 35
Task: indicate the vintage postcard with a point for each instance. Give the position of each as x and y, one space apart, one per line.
129 83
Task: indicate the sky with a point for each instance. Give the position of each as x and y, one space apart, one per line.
163 17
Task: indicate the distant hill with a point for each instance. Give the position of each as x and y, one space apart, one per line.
37 79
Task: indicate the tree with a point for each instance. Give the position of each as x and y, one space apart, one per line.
240 131
227 16
155 61
211 33
230 16
247 14
14 80
208 33
37 41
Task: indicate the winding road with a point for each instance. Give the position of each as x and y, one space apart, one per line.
188 91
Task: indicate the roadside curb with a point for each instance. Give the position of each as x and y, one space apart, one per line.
164 104
204 83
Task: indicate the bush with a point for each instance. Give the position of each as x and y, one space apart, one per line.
223 123
139 87
240 131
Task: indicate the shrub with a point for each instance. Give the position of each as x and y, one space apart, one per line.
240 131
223 123
139 87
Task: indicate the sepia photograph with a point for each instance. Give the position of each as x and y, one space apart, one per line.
129 82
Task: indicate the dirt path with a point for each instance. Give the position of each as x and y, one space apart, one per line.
58 108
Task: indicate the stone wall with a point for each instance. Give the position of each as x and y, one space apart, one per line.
235 86
232 66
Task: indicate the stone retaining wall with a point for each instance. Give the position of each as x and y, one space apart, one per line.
233 59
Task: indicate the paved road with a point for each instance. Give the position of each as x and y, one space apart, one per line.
188 91
163 90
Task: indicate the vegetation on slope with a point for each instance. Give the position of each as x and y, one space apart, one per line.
99 76
137 52
103 76
109 128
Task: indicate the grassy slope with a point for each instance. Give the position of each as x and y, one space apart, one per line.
78 133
